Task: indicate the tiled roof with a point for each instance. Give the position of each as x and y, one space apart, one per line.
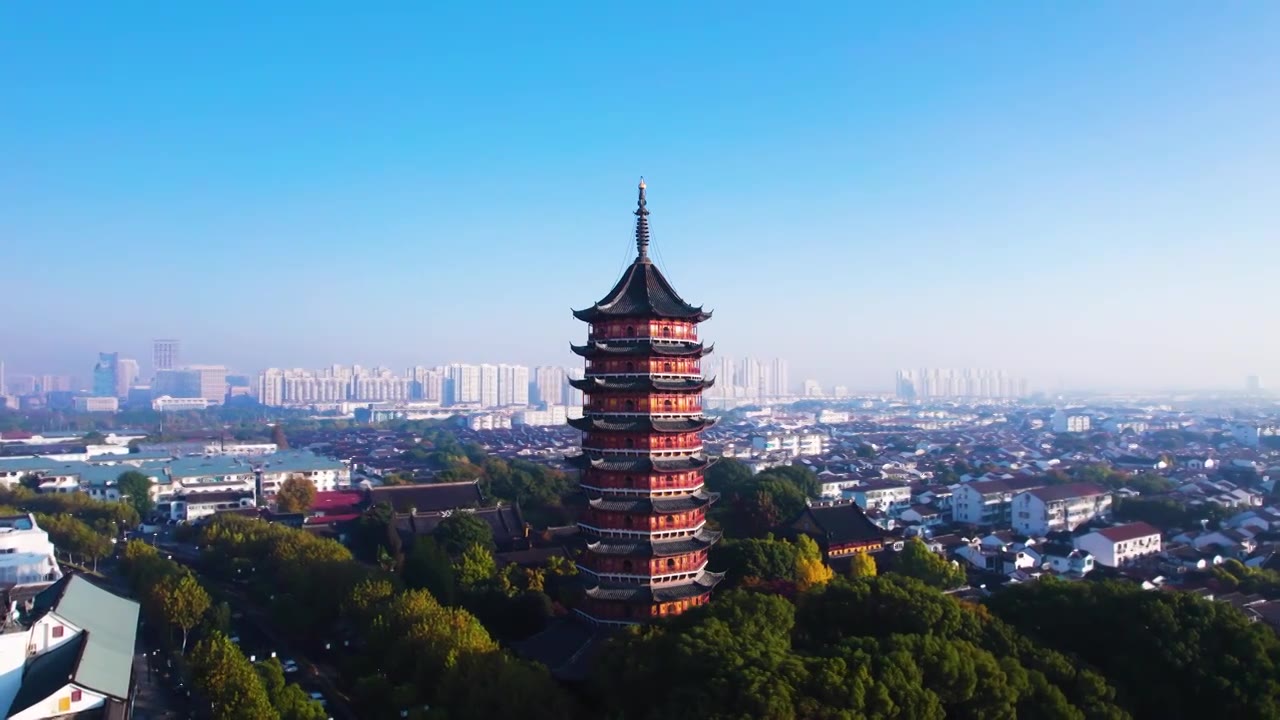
642 292
845 522
640 463
637 547
111 622
642 384
1054 493
428 498
1131 531
666 592
658 505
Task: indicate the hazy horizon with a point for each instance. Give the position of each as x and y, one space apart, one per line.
1081 195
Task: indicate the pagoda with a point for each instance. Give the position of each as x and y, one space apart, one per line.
642 461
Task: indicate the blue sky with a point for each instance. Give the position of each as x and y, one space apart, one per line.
1085 193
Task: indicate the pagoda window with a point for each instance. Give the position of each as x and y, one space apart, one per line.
629 481
631 367
671 564
670 442
631 406
630 443
626 566
631 331
666 519
626 520
666 367
666 331
666 405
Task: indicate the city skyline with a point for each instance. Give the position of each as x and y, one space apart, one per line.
1079 194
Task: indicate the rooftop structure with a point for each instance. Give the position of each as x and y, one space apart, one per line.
642 460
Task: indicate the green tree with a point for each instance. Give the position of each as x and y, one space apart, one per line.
460 531
226 679
277 437
728 475
764 558
30 481
135 489
428 567
921 563
180 600
475 569
289 700
296 495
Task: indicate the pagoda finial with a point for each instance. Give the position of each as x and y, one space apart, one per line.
642 226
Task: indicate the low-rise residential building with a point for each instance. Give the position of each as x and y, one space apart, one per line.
67 651
883 495
987 502
26 554
1121 545
1059 507
1068 422
1065 559
792 444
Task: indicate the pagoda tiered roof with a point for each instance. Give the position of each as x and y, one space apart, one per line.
657 505
664 592
655 348
638 547
642 383
623 423
642 292
639 463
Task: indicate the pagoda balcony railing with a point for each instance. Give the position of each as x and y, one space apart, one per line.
682 415
657 453
643 580
641 374
642 332
645 534
655 491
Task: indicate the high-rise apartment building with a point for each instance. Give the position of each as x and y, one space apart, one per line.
488 385
462 384
164 355
428 383
513 385
572 395
968 383
548 385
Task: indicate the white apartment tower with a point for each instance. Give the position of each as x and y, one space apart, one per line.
513 385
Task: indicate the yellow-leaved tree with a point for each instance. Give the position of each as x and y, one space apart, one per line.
811 571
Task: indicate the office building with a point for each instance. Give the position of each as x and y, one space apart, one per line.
90 404
126 376
164 355
105 374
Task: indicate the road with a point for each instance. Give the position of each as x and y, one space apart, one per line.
258 640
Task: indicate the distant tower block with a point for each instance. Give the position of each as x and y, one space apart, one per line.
164 355
642 460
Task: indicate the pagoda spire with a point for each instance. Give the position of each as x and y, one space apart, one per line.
642 226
